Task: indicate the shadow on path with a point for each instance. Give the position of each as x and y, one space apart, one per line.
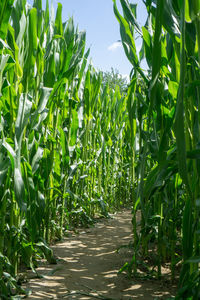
88 261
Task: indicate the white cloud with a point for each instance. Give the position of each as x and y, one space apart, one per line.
114 46
126 76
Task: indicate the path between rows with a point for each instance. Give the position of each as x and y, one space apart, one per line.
89 262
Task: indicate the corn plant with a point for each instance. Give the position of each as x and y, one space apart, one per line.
167 131
62 131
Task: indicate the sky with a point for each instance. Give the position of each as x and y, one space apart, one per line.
97 18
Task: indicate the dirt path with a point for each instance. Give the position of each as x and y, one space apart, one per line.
88 261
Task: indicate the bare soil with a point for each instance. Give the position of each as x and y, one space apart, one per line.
88 266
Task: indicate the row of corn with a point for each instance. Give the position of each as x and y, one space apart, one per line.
62 132
164 119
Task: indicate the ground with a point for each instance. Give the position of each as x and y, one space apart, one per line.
88 265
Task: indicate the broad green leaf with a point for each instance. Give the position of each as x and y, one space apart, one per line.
171 20
45 94
58 20
129 15
83 66
36 159
5 12
11 152
128 41
156 55
23 116
147 45
179 117
33 41
4 165
19 188
193 259
173 89
87 88
38 5
187 11
65 150
74 128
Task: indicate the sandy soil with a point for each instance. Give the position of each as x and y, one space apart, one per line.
88 264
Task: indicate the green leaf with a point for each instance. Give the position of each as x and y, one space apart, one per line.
47 252
87 91
64 146
173 89
128 41
74 128
129 15
188 235
193 259
179 124
4 165
19 188
187 11
36 159
23 115
5 12
58 21
147 40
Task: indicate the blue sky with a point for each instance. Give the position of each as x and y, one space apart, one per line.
102 30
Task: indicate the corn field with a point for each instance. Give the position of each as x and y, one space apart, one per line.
72 147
